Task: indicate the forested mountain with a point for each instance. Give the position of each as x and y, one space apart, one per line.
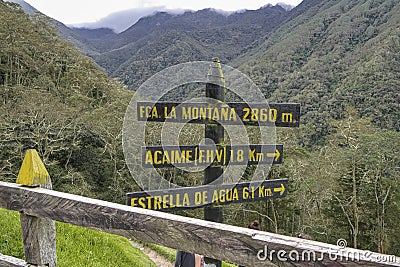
338 58
158 41
333 54
58 101
325 55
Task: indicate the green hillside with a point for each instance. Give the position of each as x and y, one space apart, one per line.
58 101
331 55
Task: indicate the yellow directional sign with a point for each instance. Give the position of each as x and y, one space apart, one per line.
233 113
205 195
32 172
205 155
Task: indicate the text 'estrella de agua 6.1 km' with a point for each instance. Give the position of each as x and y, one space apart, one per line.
194 197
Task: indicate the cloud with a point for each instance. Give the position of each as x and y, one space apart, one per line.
122 20
119 21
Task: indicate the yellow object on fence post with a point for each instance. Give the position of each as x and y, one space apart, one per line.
38 234
33 172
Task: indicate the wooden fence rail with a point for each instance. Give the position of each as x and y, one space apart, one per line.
225 242
7 261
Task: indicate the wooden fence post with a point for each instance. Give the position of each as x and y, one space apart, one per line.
39 234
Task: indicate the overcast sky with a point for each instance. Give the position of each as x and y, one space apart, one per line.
80 11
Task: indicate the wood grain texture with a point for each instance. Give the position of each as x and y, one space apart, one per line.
39 237
8 261
229 243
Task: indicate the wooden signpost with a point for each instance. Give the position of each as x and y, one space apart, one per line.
214 133
214 154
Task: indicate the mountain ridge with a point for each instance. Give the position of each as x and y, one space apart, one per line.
213 34
122 20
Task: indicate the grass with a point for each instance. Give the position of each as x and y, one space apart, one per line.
10 234
170 253
225 264
76 246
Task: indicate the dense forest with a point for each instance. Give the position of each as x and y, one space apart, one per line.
335 54
339 59
58 101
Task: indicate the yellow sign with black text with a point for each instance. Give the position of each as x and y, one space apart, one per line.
197 197
205 155
234 113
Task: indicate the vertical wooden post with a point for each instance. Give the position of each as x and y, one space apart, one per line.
215 89
39 234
